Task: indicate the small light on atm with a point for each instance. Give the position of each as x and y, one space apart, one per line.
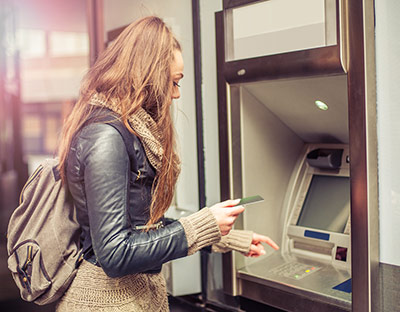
321 105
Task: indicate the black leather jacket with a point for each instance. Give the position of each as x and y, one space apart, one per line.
111 201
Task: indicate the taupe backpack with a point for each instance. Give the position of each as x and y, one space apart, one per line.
43 233
43 237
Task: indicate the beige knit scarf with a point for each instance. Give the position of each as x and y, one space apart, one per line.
143 124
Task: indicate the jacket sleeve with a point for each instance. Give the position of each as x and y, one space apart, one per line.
119 249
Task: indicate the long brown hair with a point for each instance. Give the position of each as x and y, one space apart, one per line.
135 71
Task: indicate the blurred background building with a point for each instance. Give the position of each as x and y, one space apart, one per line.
44 53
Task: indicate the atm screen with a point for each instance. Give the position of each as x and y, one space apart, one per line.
327 204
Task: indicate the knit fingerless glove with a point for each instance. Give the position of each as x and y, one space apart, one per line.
201 230
237 240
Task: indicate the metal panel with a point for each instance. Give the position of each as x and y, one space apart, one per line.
228 4
285 300
223 142
363 161
320 61
222 107
235 178
235 149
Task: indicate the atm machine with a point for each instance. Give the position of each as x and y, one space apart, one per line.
315 256
284 135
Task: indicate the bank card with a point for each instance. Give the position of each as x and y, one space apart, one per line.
250 200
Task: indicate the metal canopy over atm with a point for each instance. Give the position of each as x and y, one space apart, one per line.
284 135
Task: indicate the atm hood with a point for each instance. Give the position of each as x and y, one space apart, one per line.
293 102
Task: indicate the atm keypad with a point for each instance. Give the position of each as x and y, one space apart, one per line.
295 270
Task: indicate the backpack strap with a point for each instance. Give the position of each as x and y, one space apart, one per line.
107 116
128 138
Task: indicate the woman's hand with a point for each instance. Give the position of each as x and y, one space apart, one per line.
256 249
226 213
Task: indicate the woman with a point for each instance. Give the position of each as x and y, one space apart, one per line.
125 237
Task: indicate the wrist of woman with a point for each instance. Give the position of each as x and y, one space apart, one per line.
238 240
201 230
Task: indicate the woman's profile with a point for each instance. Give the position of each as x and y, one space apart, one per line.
120 208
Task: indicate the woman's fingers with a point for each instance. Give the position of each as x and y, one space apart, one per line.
235 211
225 214
256 250
271 243
229 203
265 239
